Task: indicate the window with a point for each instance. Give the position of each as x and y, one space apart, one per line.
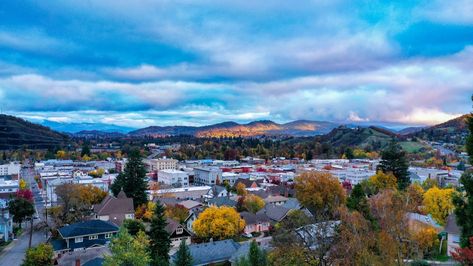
108 235
78 239
179 231
93 237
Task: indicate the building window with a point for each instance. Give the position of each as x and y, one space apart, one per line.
93 237
78 239
179 231
108 235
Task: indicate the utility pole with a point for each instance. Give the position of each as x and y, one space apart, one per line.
31 231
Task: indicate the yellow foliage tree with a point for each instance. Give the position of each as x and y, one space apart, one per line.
241 189
86 158
426 238
218 223
22 184
253 203
61 154
320 192
383 181
414 197
438 202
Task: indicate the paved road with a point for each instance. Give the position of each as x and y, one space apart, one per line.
13 254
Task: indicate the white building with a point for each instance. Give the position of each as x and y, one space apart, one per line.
8 186
229 177
207 176
173 177
11 169
161 164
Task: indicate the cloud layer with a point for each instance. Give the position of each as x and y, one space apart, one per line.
139 63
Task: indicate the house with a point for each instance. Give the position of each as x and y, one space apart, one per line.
313 234
191 204
6 223
249 183
218 191
212 252
275 200
453 232
193 215
115 210
255 223
177 233
274 212
222 201
83 236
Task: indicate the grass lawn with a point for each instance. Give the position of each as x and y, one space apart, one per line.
412 146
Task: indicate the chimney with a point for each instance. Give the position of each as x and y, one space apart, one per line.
77 262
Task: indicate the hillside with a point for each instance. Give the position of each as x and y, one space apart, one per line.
97 134
16 132
452 131
374 137
233 129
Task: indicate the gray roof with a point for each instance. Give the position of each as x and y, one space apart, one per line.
222 201
452 227
91 227
274 212
111 205
217 189
292 203
251 218
212 252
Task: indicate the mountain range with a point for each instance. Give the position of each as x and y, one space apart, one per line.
233 129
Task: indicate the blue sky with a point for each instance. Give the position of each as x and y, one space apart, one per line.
141 63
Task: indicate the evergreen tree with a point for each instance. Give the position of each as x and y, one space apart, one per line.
256 256
4 157
464 200
393 159
349 153
356 197
159 237
183 255
85 150
132 180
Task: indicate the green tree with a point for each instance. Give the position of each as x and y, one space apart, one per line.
359 202
132 180
134 226
159 237
256 256
128 250
21 209
42 255
183 255
463 201
349 153
85 150
393 159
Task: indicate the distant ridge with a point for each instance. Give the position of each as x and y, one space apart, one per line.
16 133
454 130
233 129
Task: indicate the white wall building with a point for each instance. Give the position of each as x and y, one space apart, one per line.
207 176
173 177
161 164
11 169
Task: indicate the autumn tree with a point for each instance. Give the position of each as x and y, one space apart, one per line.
439 203
393 160
159 237
253 203
132 180
42 255
320 192
183 255
21 209
241 189
427 241
145 211
382 181
218 223
414 197
128 250
464 255
177 212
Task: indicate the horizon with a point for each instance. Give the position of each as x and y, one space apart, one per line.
159 63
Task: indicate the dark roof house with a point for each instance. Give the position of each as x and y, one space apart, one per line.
115 210
212 252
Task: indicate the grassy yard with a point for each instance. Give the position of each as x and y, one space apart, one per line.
412 146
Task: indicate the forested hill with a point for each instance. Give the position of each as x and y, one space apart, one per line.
452 131
372 137
16 132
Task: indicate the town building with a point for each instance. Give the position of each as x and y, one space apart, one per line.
177 233
10 171
115 210
173 178
155 165
207 176
6 223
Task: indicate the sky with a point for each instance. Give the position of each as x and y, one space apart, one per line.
174 62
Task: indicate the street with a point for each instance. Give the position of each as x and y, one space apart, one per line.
14 253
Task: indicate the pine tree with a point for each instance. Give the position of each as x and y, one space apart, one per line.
159 237
183 255
256 256
356 197
464 200
85 150
393 159
132 180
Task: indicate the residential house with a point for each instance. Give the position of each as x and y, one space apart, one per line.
115 210
213 252
249 183
275 200
255 223
177 233
453 234
222 201
191 204
84 235
275 213
218 191
193 215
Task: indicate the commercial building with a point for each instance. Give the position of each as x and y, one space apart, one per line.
173 178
